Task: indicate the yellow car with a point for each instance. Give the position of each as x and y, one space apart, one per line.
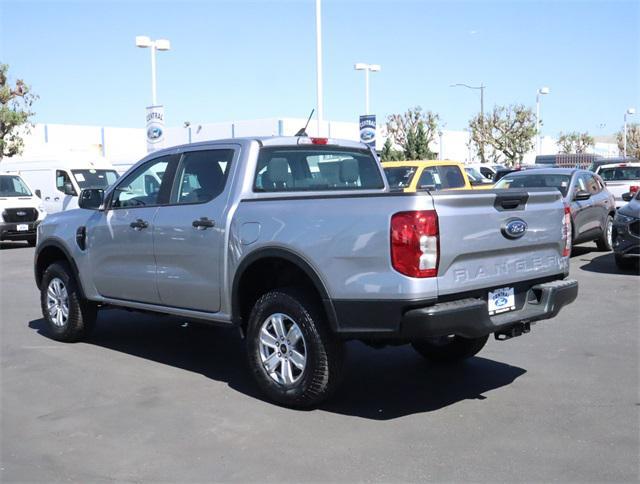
411 176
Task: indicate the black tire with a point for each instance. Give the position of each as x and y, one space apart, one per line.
604 243
82 314
323 350
32 241
449 349
626 263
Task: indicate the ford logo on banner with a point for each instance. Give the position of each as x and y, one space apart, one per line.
368 129
155 128
514 228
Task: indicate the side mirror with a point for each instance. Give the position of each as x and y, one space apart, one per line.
581 196
627 196
38 193
68 189
91 198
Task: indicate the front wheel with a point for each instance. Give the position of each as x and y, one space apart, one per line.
449 349
69 316
605 242
293 356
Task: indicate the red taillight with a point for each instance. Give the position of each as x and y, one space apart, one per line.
566 231
634 188
415 243
319 141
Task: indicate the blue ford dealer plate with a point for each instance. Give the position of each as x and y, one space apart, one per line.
501 300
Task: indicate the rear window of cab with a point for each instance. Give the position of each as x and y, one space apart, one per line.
322 168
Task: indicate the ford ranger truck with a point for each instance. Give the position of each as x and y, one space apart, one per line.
299 244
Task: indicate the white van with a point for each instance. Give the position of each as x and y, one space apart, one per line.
20 209
59 182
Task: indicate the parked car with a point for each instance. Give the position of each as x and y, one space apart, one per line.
59 182
477 180
487 170
20 209
607 161
501 172
620 178
626 232
300 245
412 176
592 205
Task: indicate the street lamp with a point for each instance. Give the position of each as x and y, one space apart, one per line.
143 42
630 112
481 87
319 61
360 66
540 92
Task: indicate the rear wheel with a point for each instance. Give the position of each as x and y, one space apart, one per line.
292 354
606 241
449 349
69 316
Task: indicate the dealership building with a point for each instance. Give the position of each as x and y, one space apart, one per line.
124 146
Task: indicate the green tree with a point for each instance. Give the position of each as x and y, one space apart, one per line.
389 153
422 144
15 112
633 140
508 131
403 131
575 142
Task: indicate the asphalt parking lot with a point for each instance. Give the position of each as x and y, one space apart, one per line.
152 399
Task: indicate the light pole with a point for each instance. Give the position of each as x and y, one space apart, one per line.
481 88
630 112
360 66
143 41
540 92
319 62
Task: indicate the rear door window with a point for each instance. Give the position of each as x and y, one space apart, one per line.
290 169
202 175
441 178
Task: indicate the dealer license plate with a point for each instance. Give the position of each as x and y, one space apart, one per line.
22 227
502 300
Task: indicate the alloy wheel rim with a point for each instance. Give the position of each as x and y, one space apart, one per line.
610 233
283 350
57 302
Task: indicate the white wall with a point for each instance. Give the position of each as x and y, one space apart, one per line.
129 144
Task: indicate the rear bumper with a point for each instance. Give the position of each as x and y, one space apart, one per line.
9 230
470 317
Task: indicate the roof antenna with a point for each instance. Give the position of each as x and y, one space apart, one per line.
303 131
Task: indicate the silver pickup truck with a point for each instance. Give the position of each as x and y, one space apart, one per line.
300 245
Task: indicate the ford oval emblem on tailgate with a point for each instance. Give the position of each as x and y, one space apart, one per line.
514 228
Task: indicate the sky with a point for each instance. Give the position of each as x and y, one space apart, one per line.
238 60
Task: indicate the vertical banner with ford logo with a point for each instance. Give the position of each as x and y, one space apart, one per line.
368 130
155 128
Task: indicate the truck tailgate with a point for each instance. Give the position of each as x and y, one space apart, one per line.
478 251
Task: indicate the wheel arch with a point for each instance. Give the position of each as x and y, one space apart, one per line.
268 258
50 252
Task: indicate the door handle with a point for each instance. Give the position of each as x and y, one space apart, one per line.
203 223
139 224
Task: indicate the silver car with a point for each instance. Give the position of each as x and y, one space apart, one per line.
593 207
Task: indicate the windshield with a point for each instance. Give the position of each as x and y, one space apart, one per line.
620 173
400 176
561 182
13 186
94 178
297 169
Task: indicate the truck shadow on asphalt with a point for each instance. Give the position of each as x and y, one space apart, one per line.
378 384
606 264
